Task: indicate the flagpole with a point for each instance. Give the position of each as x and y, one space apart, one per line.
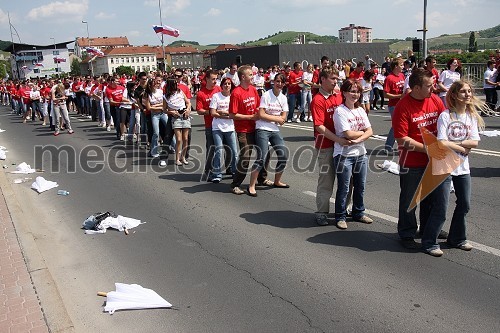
13 47
162 46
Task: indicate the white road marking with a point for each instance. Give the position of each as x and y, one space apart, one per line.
477 246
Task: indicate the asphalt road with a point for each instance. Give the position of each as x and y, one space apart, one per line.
240 264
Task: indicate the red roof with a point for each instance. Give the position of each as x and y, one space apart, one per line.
103 41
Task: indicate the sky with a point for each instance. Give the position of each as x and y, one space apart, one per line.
237 21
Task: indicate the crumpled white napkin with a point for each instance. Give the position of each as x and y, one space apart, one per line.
120 223
42 185
24 168
490 133
390 166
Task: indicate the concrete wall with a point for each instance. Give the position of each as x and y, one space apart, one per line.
264 56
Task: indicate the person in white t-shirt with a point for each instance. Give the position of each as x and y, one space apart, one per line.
178 107
458 129
448 76
222 128
273 110
232 74
307 82
350 162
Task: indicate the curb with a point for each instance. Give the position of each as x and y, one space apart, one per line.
53 308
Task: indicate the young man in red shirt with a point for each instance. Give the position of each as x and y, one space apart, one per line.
294 92
419 109
393 90
203 99
322 109
325 61
243 109
358 72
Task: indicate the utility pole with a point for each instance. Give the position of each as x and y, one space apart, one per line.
55 55
90 61
424 31
162 47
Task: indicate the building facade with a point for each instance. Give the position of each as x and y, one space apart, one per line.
39 61
139 58
100 43
355 34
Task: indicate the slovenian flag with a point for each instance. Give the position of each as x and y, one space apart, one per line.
166 30
94 51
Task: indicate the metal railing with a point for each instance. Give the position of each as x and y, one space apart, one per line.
473 72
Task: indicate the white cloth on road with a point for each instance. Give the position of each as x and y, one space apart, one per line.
24 168
133 296
42 185
120 223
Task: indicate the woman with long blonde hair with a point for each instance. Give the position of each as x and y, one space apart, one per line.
458 129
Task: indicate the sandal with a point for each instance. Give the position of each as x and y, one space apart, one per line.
236 190
266 182
250 193
281 186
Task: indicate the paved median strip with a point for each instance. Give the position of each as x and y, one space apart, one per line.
477 246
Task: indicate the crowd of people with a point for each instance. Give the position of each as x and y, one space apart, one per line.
245 106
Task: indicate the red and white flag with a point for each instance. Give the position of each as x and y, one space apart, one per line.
166 30
94 51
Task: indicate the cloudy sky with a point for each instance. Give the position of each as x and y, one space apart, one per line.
235 21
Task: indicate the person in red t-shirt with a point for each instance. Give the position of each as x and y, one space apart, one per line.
416 110
393 90
243 109
203 99
430 65
25 92
358 72
322 109
114 93
325 61
294 92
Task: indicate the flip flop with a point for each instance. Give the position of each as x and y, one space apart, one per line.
281 186
251 194
266 182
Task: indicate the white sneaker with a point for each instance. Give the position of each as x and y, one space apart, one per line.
288 121
108 128
310 118
297 120
122 137
163 163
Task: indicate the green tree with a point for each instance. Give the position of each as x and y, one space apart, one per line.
5 69
472 42
127 70
75 67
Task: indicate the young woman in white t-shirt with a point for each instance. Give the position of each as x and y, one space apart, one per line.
458 129
448 76
178 107
350 162
273 110
307 83
223 128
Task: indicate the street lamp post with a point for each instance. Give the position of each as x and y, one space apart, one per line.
424 31
88 37
55 55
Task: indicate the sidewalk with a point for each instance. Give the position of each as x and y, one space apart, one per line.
20 310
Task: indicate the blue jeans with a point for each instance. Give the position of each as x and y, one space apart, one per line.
345 168
389 143
156 117
306 98
437 215
262 138
409 178
292 99
107 112
458 227
219 137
